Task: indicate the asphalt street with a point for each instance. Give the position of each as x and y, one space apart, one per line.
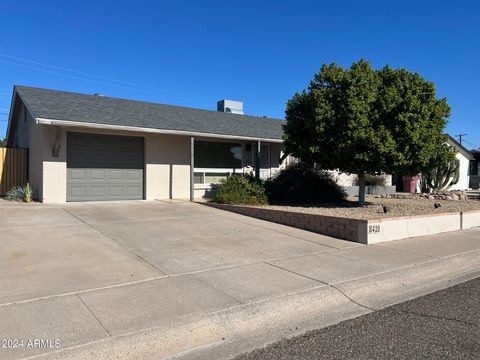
441 325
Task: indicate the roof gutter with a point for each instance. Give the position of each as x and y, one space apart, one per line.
55 122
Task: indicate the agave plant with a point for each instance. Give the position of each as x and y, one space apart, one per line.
16 193
20 193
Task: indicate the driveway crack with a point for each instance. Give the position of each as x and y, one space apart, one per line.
116 242
330 285
95 316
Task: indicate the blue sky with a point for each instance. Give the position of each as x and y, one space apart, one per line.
194 53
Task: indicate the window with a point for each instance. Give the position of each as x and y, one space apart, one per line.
207 178
215 161
198 177
264 156
218 155
214 178
474 168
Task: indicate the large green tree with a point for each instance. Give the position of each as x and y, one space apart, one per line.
3 142
365 121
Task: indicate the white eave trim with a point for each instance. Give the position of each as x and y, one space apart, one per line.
56 122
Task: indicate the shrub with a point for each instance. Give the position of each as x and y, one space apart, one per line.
20 193
240 189
28 190
302 184
372 180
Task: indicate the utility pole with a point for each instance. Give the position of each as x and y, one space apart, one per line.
460 137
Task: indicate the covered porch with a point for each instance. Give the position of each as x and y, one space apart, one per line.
215 159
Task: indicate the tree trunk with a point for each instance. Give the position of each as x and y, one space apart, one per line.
361 189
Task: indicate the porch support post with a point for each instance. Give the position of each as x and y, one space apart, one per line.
192 167
257 161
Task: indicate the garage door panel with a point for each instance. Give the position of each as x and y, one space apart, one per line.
116 191
116 174
104 167
135 175
77 191
134 191
97 174
97 190
77 174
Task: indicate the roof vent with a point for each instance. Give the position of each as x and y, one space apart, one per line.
98 94
230 106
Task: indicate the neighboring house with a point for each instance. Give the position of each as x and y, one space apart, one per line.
475 170
91 147
464 157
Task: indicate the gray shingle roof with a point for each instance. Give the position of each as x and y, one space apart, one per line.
61 105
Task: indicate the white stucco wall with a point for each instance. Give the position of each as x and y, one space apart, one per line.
344 179
167 167
167 164
167 158
54 168
464 179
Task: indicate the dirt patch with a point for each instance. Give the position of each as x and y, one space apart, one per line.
17 255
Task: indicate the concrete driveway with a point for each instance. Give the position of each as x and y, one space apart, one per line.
97 272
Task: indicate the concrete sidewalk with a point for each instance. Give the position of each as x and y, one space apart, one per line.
223 298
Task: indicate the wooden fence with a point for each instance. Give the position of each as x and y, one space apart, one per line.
13 168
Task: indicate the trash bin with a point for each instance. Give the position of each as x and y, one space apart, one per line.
410 183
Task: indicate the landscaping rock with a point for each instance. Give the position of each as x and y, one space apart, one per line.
415 205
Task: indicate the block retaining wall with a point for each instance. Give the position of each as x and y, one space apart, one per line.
360 230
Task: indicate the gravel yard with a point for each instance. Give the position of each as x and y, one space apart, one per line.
374 209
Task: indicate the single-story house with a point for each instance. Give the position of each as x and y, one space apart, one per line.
464 157
93 147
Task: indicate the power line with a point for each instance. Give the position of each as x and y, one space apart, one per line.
103 77
111 79
472 144
70 76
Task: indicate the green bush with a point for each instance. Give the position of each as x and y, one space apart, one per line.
372 180
302 184
240 189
